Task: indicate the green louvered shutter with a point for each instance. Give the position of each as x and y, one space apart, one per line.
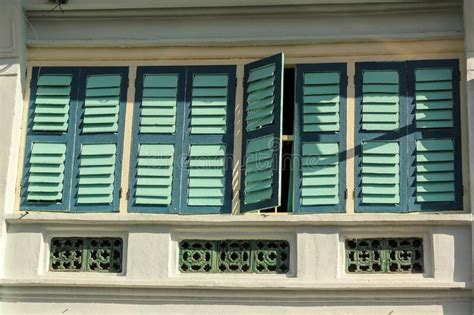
209 140
380 172
262 128
49 137
380 100
99 139
435 144
320 138
155 174
46 172
154 178
381 145
52 103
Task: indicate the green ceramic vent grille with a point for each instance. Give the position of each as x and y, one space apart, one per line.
86 254
234 256
386 255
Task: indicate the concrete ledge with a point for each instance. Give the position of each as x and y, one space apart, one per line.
341 219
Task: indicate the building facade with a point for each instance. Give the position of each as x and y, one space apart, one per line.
207 156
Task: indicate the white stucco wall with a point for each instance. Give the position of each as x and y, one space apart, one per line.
151 282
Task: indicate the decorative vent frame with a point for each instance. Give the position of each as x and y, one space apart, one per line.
395 255
234 256
86 254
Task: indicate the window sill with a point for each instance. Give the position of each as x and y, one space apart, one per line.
341 219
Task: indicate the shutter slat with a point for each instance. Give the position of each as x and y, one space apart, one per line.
51 113
206 185
380 172
46 172
101 104
380 100
96 188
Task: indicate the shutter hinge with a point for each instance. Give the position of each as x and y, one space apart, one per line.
354 194
128 194
345 194
355 79
347 80
120 193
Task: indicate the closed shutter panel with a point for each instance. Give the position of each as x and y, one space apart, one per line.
319 146
262 134
96 174
380 172
158 104
49 139
381 142
380 100
209 140
154 178
435 144
52 103
102 104
156 165
46 172
99 139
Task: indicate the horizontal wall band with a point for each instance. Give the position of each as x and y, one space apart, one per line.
242 220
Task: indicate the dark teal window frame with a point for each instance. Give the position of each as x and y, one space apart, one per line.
323 137
407 135
182 139
73 138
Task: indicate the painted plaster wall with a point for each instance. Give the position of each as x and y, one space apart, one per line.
150 282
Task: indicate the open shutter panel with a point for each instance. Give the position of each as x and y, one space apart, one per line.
263 89
381 172
102 104
96 174
46 172
154 178
158 107
52 101
380 100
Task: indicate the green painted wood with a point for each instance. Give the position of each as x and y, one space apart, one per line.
52 99
206 183
320 174
434 98
380 172
209 104
102 98
260 92
154 177
435 170
380 100
46 172
96 187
